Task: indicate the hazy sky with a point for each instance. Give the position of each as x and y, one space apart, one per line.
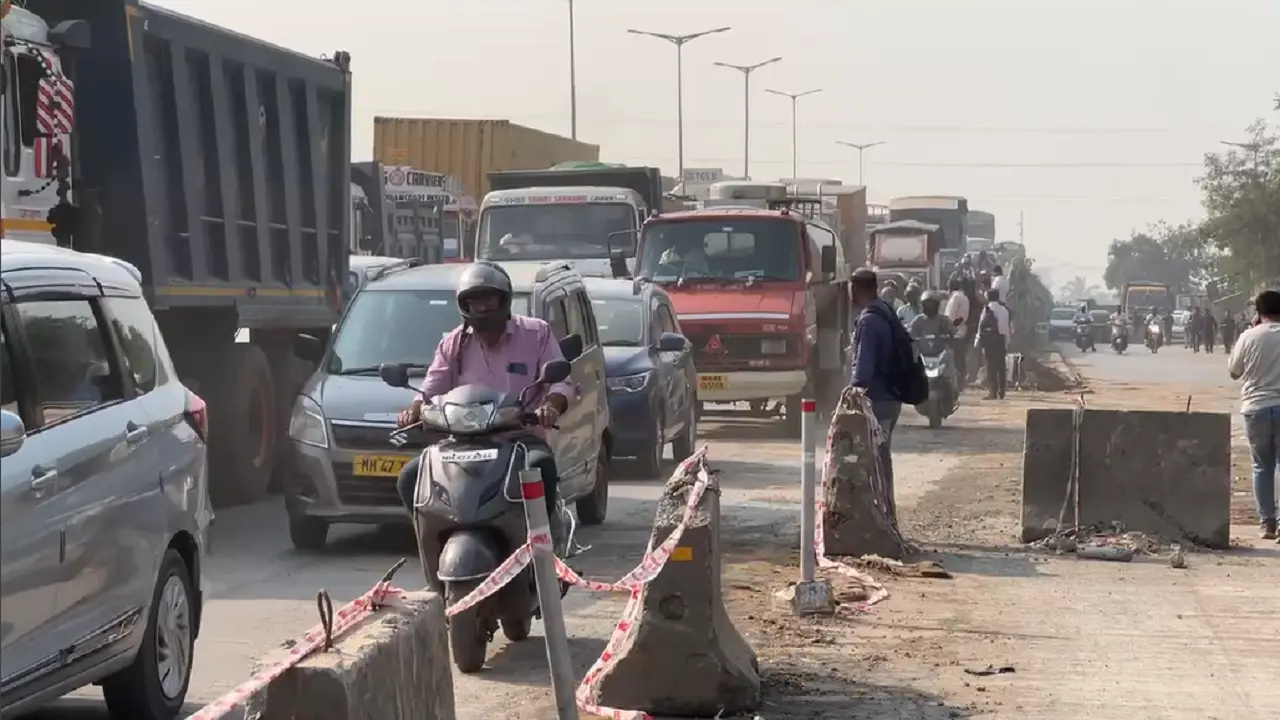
1089 116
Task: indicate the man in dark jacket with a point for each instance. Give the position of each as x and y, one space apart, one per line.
875 359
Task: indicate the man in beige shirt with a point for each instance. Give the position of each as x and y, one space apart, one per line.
1255 362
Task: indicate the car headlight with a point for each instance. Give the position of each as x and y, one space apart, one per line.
306 424
468 418
629 383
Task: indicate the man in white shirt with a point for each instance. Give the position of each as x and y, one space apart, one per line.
1000 282
1255 362
958 310
993 339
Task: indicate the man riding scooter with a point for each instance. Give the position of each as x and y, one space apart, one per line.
1083 322
933 332
1119 331
501 351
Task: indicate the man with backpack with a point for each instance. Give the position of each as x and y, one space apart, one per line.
993 340
885 366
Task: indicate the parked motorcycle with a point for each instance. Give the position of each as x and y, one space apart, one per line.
468 513
1084 338
939 368
1119 339
1155 336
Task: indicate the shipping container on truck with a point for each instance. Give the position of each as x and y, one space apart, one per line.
471 149
219 166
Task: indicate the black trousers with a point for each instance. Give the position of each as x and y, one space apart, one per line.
961 357
540 457
994 349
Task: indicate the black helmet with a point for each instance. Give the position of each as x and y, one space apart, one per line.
482 278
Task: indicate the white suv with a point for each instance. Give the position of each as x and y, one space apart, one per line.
105 497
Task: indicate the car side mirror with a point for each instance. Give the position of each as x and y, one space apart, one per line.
672 342
394 374
12 433
571 347
556 371
308 348
828 259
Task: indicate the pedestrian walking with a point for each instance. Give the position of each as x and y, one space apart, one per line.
1255 362
993 340
883 363
1210 331
1228 331
958 310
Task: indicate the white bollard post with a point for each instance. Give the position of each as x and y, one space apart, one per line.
808 500
810 596
563 682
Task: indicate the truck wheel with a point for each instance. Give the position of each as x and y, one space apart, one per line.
242 427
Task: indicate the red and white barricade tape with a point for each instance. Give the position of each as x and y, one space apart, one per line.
314 639
875 436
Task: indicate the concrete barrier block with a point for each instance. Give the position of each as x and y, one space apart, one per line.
1165 473
683 656
392 666
1046 470
855 521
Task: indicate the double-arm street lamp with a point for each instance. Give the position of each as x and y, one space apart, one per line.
795 152
860 148
679 41
746 71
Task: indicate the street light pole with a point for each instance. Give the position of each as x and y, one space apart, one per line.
746 71
679 41
573 77
860 148
795 146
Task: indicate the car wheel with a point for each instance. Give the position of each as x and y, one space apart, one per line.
308 533
154 686
682 447
650 460
593 508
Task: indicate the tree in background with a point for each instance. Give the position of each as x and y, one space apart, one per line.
1175 255
1076 288
1242 200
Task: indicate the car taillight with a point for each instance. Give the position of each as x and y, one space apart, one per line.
197 415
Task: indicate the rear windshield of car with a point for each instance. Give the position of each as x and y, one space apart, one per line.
1062 314
620 322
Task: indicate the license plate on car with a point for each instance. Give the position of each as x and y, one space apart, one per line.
713 382
468 456
378 465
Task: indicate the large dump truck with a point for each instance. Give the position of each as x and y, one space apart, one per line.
218 165
472 149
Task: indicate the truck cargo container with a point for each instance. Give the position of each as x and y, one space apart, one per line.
218 165
471 149
949 212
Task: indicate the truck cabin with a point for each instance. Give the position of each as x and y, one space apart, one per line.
728 245
1142 297
559 223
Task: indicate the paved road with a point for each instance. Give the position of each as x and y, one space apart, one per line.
1172 365
262 592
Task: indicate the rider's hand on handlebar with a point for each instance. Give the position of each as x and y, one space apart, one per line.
547 415
411 414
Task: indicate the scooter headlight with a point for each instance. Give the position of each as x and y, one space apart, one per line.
468 418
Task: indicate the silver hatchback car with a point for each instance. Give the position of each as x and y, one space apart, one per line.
105 500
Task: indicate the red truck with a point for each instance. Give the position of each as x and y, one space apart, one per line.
762 294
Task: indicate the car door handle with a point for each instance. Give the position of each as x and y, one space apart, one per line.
135 434
42 479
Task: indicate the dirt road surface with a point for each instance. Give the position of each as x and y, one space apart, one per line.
1088 639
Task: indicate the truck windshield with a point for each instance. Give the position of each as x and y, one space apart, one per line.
555 231
1152 296
764 248
397 326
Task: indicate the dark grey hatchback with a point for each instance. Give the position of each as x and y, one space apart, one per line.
649 371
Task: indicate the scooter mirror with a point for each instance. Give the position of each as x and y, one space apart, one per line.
555 371
394 374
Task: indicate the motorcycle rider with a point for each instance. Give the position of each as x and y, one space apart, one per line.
1119 324
931 321
1083 318
911 308
501 351
1153 318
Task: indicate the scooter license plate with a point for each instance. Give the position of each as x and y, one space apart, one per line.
468 456
378 465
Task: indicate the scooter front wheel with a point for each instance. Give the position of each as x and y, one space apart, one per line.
468 636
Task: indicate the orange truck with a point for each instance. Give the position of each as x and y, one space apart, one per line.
762 294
